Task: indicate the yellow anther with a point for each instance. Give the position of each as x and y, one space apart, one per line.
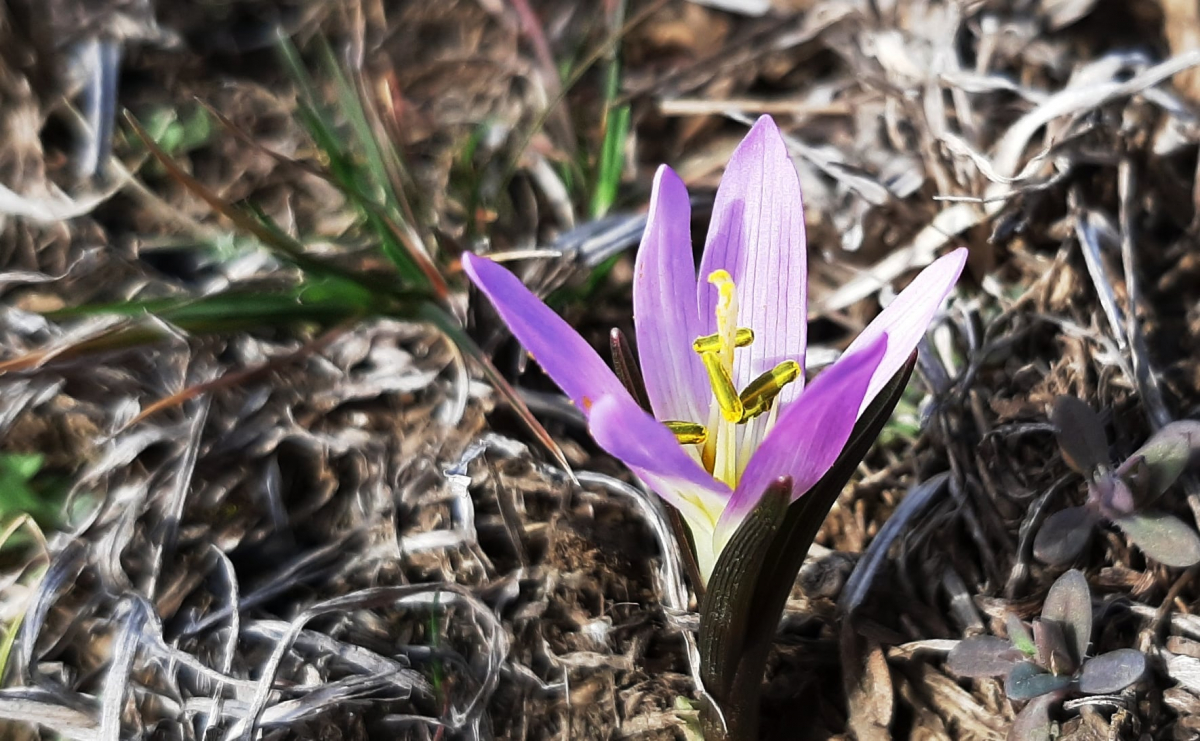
688 433
761 393
722 386
712 342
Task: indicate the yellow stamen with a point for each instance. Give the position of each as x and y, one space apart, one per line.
722 385
688 433
760 394
712 342
724 446
708 451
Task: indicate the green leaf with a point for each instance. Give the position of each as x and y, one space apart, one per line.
1112 672
1080 435
1033 723
1163 537
321 302
724 616
1019 635
1053 652
360 169
1064 535
267 232
1164 457
20 467
1069 603
355 111
1027 681
982 656
16 495
26 488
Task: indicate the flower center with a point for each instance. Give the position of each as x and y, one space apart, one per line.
731 408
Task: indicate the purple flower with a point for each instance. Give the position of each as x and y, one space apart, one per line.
722 355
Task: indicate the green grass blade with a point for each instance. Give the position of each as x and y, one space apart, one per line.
316 302
616 129
261 227
369 187
355 112
323 303
612 160
580 70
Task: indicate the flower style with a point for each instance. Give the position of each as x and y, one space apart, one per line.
722 358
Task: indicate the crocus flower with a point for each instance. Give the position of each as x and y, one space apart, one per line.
722 354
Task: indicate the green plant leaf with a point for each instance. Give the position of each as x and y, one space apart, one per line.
1033 723
1112 672
982 656
180 132
1053 652
1069 603
608 171
321 302
28 489
16 495
1064 535
1019 635
1027 681
1162 459
363 176
1080 435
1163 537
724 613
270 235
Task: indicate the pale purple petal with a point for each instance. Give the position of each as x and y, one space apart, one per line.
664 306
757 234
809 435
565 356
650 450
906 318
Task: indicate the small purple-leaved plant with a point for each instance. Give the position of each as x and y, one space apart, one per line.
1119 494
1048 663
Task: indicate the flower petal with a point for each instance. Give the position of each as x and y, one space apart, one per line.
906 318
664 306
809 435
757 234
565 356
651 451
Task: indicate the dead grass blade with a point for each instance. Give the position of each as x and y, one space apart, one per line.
451 328
238 378
41 707
420 596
